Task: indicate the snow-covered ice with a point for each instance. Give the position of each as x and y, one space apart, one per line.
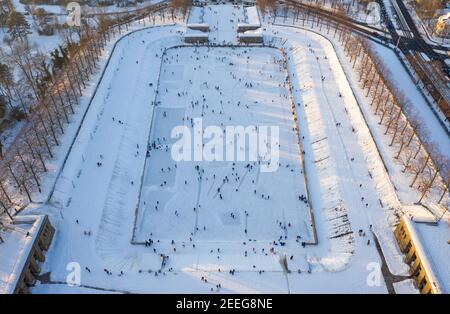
142 222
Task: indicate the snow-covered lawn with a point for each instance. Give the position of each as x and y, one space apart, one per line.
121 187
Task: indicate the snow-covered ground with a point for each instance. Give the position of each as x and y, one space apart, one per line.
120 186
419 106
46 44
61 9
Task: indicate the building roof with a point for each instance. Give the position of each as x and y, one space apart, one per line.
251 33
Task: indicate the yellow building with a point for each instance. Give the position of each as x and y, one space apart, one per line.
427 251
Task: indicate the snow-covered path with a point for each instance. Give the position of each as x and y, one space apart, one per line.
223 22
